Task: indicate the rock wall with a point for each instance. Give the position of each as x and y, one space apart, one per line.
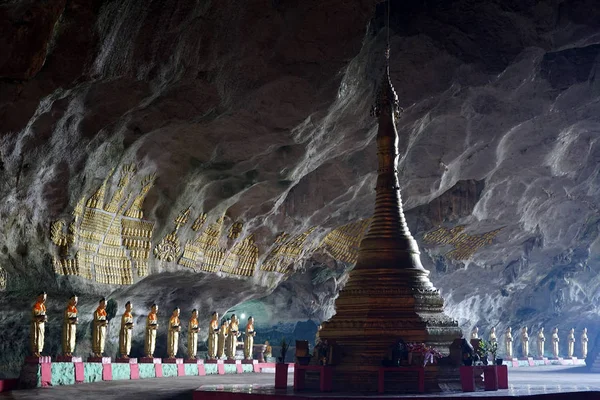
204 154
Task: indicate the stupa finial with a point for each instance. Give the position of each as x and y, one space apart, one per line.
386 100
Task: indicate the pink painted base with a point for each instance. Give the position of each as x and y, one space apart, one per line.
135 371
158 370
107 372
8 384
79 374
46 372
180 369
201 369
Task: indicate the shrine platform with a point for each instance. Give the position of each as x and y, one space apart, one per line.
544 383
45 371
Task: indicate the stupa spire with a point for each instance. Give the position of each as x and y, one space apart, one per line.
388 296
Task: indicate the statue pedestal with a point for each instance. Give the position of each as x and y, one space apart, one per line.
103 360
69 359
249 361
238 365
150 360
126 360
106 366
199 365
541 361
176 361
36 371
215 361
528 360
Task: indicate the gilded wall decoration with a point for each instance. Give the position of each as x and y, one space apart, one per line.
465 245
343 242
169 248
286 252
205 252
3 279
109 240
242 258
199 222
235 230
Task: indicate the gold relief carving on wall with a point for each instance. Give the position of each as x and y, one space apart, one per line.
199 222
242 258
169 248
205 252
286 252
465 245
111 239
235 230
343 242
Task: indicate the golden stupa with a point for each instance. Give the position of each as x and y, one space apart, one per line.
388 295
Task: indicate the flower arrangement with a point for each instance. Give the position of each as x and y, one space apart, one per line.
429 353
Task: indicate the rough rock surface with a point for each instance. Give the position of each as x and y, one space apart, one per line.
259 111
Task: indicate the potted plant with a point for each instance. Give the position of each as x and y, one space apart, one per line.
281 368
493 349
482 351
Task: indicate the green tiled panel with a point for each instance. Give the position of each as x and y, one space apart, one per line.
169 370
191 369
247 367
63 373
92 372
121 371
230 369
147 371
210 368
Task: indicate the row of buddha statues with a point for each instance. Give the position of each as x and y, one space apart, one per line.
222 338
541 339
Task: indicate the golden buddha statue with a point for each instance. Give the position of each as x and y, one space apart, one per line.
584 343
493 338
173 334
99 329
524 342
540 342
475 333
508 341
70 327
151 327
126 331
38 320
249 339
234 333
555 341
571 343
221 339
227 342
193 329
268 350
213 336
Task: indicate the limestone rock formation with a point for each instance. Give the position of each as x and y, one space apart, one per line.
204 153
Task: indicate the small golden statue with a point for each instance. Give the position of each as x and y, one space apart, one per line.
173 334
508 342
475 333
99 329
234 333
571 343
126 331
227 341
524 342
221 339
584 343
268 350
213 336
70 327
540 342
38 319
555 340
249 339
493 338
193 329
151 327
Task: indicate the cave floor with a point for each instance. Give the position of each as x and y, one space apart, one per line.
523 382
